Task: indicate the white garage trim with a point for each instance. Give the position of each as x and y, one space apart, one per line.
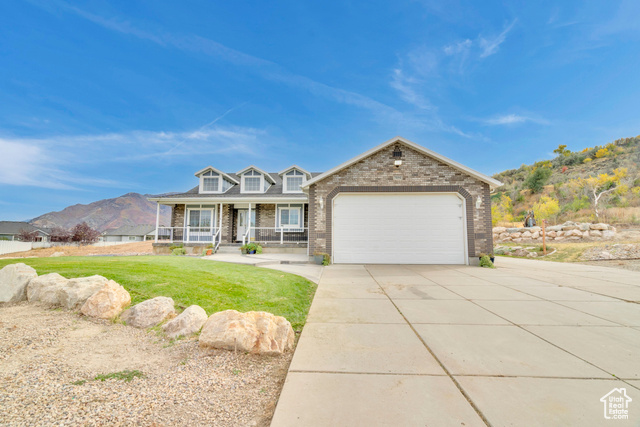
462 249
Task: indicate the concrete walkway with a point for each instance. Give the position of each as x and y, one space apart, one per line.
531 343
290 263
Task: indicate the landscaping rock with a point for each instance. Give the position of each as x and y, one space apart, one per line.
608 234
149 313
188 322
526 234
600 226
551 234
499 230
45 288
57 254
595 233
255 332
14 279
108 302
77 291
554 228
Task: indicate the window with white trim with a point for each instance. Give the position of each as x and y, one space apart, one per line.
290 216
132 237
210 182
252 182
292 181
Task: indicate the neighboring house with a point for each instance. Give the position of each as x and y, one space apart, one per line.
9 230
398 203
129 233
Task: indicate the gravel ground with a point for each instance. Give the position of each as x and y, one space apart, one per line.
633 265
618 251
138 248
43 352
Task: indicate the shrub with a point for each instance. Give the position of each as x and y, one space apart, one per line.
485 262
179 251
537 179
587 160
253 247
172 247
326 259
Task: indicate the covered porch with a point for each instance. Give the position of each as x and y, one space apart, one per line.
221 224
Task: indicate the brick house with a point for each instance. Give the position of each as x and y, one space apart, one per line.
396 203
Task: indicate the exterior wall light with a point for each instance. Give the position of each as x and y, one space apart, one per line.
397 163
478 202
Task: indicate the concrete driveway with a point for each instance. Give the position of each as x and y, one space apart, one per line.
531 343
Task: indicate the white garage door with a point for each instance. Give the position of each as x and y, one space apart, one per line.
385 228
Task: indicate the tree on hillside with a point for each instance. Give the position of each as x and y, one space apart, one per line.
537 179
502 210
27 236
562 150
84 234
599 188
545 208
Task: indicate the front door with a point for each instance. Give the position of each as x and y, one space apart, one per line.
241 226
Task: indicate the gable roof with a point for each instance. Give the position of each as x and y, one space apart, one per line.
282 172
211 168
266 175
130 230
493 183
14 227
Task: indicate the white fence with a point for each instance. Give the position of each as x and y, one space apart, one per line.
9 247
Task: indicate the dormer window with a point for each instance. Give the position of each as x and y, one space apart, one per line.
252 182
214 181
292 181
210 182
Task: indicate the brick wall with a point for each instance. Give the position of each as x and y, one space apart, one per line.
418 173
177 216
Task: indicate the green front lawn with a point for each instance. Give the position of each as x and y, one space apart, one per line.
215 286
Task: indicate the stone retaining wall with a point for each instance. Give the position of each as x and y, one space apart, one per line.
569 231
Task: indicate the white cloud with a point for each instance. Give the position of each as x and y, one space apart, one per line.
458 47
490 46
55 162
510 119
408 89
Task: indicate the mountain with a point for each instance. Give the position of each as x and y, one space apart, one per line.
129 209
561 189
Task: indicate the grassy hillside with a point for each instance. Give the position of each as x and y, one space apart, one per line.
562 188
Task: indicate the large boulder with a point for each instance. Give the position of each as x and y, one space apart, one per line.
149 313
188 322
14 279
45 288
599 226
498 230
77 291
108 302
255 332
595 233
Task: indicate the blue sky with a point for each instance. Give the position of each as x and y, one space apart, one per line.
100 98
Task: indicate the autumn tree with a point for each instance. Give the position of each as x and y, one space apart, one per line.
84 234
60 235
27 236
600 188
546 207
562 150
502 210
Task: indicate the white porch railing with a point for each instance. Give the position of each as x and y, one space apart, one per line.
189 234
277 235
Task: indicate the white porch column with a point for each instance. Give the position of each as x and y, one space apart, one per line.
157 220
220 222
249 224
